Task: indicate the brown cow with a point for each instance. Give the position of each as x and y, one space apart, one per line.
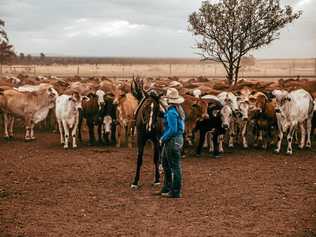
195 109
126 106
264 117
32 106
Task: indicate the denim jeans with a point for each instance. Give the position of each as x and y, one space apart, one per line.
171 158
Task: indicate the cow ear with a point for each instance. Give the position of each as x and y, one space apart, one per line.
85 98
75 96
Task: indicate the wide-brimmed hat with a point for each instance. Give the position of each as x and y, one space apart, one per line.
173 96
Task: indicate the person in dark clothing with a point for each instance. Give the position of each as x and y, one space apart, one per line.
172 143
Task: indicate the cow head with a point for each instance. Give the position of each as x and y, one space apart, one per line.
107 127
200 109
77 100
52 96
227 116
101 96
119 93
280 110
52 93
243 105
231 100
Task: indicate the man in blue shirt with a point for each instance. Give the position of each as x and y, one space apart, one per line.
172 142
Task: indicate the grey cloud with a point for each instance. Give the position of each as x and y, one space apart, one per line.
39 26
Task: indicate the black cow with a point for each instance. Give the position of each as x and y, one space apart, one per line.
107 121
213 124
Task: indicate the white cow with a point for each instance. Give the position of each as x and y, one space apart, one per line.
31 88
294 108
229 99
67 115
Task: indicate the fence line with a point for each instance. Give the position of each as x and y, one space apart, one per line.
260 69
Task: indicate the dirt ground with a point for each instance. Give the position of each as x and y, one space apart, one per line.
47 191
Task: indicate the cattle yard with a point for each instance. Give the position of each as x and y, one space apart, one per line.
46 190
49 191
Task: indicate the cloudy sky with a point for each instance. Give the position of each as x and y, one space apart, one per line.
131 28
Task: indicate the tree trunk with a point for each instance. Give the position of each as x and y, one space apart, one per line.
230 74
236 73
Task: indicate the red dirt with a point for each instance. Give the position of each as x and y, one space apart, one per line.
47 191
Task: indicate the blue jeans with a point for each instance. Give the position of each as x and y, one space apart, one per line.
171 163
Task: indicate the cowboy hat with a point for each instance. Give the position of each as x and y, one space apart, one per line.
173 96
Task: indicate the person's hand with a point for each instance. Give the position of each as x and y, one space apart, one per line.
160 142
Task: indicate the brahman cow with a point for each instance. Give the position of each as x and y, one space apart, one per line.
294 108
67 115
32 106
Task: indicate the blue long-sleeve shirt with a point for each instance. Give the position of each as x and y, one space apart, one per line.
173 124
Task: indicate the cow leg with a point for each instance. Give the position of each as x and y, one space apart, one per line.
66 129
100 140
113 133
61 132
215 142
290 140
221 144
129 134
309 131
303 135
260 137
255 133
32 131
73 133
231 135
210 138
156 162
28 127
91 131
141 145
201 142
80 124
118 136
243 134
279 142
11 125
206 141
6 122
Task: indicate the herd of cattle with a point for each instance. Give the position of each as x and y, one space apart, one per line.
258 113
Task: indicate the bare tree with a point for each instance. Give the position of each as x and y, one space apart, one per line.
227 30
42 57
6 50
22 56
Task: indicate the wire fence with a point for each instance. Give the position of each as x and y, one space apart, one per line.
259 69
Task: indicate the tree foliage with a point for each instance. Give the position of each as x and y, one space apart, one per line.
227 30
6 49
